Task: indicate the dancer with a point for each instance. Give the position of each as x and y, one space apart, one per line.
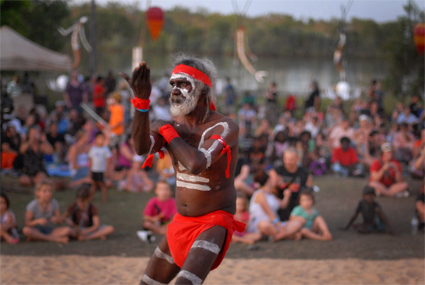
203 145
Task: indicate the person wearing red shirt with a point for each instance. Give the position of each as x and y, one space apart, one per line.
385 174
99 90
344 159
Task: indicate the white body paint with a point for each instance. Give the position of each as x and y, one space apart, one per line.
158 252
191 178
150 281
190 98
207 245
207 153
190 276
193 186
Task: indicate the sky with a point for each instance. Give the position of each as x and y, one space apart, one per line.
378 10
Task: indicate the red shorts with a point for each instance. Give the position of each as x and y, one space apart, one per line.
183 231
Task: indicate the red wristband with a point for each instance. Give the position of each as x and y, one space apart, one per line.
140 103
168 132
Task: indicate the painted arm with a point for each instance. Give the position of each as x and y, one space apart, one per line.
196 160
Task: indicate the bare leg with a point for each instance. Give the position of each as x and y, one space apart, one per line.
33 233
202 256
7 237
93 189
380 188
161 267
100 234
249 238
289 230
320 225
104 191
156 229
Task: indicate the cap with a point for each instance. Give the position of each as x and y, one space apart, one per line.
364 118
369 190
386 147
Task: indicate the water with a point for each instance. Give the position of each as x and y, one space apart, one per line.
293 75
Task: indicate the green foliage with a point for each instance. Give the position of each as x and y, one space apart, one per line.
12 15
407 66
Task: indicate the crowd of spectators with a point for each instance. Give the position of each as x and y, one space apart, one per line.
282 146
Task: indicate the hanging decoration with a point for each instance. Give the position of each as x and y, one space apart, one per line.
338 56
77 29
419 37
155 19
242 54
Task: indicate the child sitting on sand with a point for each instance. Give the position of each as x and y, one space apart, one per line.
159 211
314 226
136 179
242 215
374 219
83 218
8 230
42 214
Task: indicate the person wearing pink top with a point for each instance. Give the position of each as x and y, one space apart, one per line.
159 211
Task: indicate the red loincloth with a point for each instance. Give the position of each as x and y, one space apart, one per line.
183 231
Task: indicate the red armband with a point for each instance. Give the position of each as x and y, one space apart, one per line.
141 104
227 150
168 132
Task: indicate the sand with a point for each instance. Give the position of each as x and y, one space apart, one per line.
77 269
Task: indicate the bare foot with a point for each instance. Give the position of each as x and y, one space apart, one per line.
63 240
327 236
30 239
103 237
81 237
298 236
12 241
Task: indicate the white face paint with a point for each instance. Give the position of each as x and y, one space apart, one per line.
183 106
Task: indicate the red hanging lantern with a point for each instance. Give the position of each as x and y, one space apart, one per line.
155 19
419 37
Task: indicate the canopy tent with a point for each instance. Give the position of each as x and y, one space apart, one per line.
19 53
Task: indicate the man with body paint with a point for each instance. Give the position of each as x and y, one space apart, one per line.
203 145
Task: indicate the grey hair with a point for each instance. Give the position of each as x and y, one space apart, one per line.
204 65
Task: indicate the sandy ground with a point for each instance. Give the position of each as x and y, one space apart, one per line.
76 269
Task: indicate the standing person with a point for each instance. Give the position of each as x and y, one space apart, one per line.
99 101
229 95
99 157
116 120
75 93
290 176
203 145
314 97
110 83
272 104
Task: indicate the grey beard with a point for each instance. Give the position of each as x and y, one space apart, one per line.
185 107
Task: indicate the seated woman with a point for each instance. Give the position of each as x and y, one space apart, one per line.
263 208
78 160
125 154
33 151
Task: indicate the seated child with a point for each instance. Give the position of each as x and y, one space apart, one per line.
159 211
374 219
314 226
42 214
136 179
8 156
242 215
83 218
8 230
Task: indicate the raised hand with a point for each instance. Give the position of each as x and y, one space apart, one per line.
140 81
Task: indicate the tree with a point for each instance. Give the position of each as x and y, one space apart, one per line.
12 15
406 75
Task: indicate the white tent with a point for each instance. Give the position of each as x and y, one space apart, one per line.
19 53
